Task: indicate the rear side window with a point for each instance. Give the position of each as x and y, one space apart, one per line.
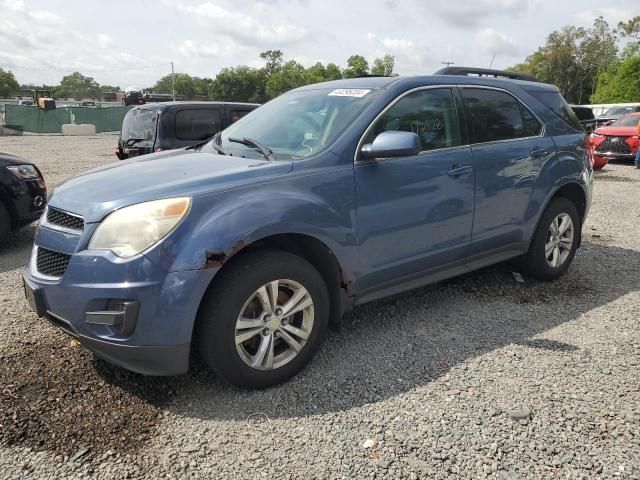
494 115
554 102
197 124
238 114
429 113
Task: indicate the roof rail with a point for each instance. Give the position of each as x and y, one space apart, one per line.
485 72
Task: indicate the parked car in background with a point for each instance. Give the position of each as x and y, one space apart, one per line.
25 102
332 195
167 126
586 117
23 193
618 141
614 113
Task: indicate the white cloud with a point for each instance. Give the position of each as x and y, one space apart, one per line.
490 42
240 27
410 58
465 12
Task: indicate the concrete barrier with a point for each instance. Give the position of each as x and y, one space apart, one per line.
85 129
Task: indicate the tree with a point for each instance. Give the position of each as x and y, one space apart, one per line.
8 84
383 66
630 29
290 76
619 85
573 58
274 60
239 84
77 86
332 72
356 65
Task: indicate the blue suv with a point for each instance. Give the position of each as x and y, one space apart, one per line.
247 246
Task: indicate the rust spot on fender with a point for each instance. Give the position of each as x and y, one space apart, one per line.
217 259
346 282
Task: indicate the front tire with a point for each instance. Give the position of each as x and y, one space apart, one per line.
263 319
555 241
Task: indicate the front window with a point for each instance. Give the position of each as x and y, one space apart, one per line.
296 125
429 113
628 121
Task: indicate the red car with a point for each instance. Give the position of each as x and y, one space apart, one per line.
618 141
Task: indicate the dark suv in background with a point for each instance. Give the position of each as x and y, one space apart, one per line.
167 126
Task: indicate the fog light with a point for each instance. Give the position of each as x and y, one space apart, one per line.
38 201
121 315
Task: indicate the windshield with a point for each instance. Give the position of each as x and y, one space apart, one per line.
139 124
627 121
618 111
296 125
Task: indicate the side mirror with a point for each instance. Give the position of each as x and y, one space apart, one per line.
392 144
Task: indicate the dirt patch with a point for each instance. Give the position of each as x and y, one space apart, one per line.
58 397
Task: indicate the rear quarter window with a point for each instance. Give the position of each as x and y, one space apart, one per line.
553 101
197 124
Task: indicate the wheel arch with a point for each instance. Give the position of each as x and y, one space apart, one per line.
572 191
308 247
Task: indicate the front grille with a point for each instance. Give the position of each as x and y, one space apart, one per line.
64 219
50 263
615 145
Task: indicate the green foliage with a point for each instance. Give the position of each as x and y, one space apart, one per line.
573 58
383 66
239 84
620 85
279 75
77 86
186 86
356 65
8 84
630 29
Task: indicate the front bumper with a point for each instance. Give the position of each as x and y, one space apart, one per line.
148 360
159 340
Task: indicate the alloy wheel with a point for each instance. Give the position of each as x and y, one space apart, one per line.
559 242
274 324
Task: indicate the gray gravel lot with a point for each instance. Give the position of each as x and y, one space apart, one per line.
480 376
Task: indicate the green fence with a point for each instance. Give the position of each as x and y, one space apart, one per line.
32 119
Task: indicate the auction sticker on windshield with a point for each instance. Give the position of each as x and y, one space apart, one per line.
349 92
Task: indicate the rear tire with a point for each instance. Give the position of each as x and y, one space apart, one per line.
5 223
555 241
280 340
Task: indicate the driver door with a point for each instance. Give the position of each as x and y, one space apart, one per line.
415 213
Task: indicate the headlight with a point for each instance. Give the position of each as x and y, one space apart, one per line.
131 230
24 172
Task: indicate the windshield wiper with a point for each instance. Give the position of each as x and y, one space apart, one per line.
250 142
214 145
131 141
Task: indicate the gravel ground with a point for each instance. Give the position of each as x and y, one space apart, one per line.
480 376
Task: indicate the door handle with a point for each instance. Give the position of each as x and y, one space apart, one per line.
457 171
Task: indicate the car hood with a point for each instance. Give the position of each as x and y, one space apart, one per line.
617 131
98 192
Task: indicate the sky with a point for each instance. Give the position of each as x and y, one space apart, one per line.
131 43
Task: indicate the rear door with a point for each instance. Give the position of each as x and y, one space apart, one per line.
509 148
193 125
